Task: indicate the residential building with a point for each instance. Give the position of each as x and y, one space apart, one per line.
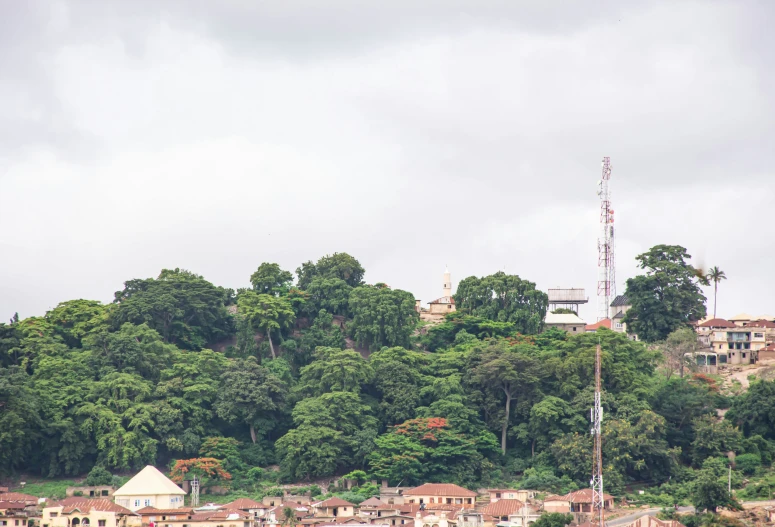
650 521
705 331
17 497
443 493
555 503
149 488
216 518
511 494
619 307
442 305
581 501
158 517
85 512
98 491
526 515
738 345
569 322
255 508
435 519
333 508
16 519
369 508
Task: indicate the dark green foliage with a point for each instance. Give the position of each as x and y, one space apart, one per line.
382 317
553 519
667 297
748 463
269 279
503 298
338 265
183 307
754 411
99 476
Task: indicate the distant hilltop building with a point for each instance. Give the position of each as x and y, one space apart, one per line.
441 306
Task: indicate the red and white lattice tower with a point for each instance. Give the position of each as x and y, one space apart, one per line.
606 279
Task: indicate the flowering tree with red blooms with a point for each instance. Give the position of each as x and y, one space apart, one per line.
209 471
429 449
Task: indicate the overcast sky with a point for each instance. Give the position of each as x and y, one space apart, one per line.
213 136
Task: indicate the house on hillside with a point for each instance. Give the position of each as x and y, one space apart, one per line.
213 518
619 307
581 501
441 493
333 508
85 512
149 488
591 328
369 508
569 322
255 508
555 503
158 517
511 494
442 305
706 329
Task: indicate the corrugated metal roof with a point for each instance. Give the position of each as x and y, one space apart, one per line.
443 300
440 489
563 318
620 300
567 295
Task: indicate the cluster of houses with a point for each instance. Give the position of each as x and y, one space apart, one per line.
150 499
742 339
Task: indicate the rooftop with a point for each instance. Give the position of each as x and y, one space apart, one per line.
740 317
17 496
502 507
584 496
717 323
372 503
605 323
333 502
244 504
149 481
620 300
443 300
440 489
564 318
84 505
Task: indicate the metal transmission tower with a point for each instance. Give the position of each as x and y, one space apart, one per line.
606 280
598 497
195 492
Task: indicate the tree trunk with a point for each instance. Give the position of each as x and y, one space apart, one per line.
505 422
252 433
533 448
715 295
271 346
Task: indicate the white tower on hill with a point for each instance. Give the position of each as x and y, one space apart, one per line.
447 283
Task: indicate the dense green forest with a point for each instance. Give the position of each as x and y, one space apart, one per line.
326 375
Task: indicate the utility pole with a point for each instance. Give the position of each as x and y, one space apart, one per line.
596 416
729 483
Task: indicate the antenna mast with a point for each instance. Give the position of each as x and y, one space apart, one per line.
598 498
195 492
606 281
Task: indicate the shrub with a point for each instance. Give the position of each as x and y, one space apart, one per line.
748 463
99 476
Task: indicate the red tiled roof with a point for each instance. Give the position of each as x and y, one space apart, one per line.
85 505
771 347
584 496
16 496
555 497
717 323
762 324
605 323
441 489
4 505
502 507
245 503
334 502
372 503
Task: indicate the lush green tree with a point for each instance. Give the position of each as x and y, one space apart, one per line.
681 401
99 476
715 275
183 307
553 519
667 297
506 373
754 410
338 265
266 313
20 421
713 437
269 279
75 319
428 449
324 332
250 394
382 317
709 491
398 380
340 412
137 349
503 298
331 294
334 370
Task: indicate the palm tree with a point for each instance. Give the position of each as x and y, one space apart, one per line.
289 517
715 275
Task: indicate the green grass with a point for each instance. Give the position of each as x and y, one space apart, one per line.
47 488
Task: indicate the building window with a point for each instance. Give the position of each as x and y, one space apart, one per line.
101 523
137 503
618 325
4 522
147 503
743 355
758 335
574 328
497 494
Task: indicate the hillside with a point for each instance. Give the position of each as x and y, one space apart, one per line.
482 399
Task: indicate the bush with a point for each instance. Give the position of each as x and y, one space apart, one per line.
748 463
99 476
78 493
352 497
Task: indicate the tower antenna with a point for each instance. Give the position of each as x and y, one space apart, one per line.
598 497
606 279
